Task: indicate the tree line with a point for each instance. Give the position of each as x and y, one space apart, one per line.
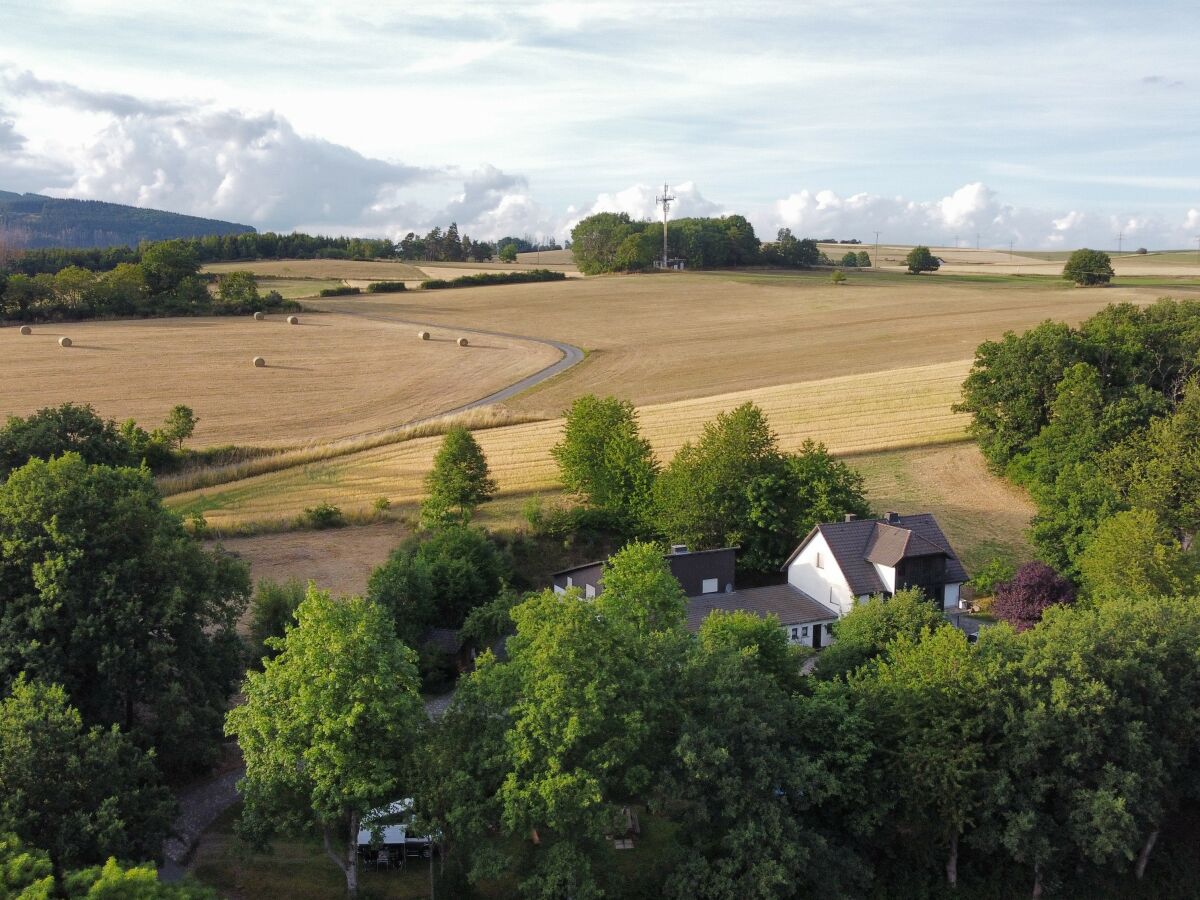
211 248
615 242
1101 423
165 281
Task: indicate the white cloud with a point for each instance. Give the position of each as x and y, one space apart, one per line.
640 201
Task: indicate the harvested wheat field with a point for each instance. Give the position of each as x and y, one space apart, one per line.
337 269
849 414
329 377
664 337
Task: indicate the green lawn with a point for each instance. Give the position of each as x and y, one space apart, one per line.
293 870
300 870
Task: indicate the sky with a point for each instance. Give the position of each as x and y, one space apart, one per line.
1052 125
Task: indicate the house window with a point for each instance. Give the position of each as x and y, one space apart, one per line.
589 591
795 634
710 586
820 562
804 631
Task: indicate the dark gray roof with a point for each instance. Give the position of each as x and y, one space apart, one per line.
666 556
889 544
789 603
858 543
445 639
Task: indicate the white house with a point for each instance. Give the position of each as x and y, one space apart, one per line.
843 563
837 565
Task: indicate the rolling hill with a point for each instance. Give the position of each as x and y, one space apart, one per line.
32 221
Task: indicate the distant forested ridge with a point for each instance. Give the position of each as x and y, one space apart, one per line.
33 221
248 245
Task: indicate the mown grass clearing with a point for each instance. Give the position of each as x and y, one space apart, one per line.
295 288
329 377
850 414
983 515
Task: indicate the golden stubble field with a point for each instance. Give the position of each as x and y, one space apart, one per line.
337 269
850 414
664 337
328 377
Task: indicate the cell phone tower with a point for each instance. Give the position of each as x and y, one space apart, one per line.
665 200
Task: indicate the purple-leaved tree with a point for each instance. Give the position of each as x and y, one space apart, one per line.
1021 601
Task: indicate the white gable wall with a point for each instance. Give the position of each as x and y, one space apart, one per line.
887 575
826 584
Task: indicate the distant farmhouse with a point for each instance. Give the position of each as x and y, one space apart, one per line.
836 565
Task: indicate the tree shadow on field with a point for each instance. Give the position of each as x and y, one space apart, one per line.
315 324
288 368
89 347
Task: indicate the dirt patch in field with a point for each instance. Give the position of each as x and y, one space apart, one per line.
338 559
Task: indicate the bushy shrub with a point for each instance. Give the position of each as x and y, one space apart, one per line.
340 291
385 287
272 612
323 515
483 279
996 571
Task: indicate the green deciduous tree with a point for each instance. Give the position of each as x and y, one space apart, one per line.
919 260
1088 267
1012 384
168 264
508 253
81 794
1132 554
180 424
329 727
102 591
734 487
459 481
56 430
703 497
26 874
436 579
1098 743
603 459
587 694
744 781
924 699
870 627
238 289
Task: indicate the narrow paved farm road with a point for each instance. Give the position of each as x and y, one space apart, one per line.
571 356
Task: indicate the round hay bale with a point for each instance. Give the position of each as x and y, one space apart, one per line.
25 329
258 317
462 342
64 342
259 362
423 335
293 320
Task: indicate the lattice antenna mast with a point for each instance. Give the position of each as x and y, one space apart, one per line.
665 200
